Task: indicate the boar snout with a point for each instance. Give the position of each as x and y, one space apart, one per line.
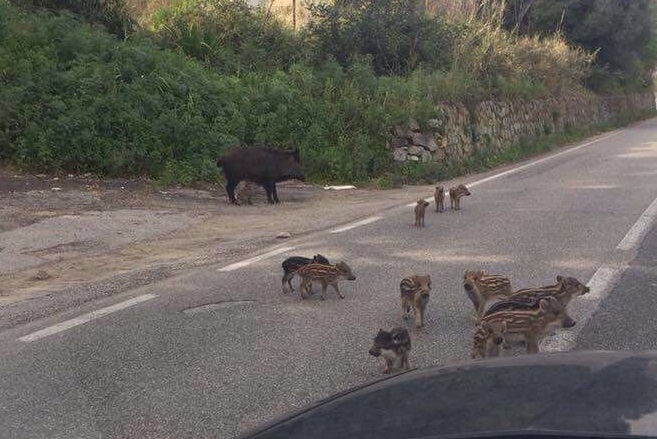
498 339
568 322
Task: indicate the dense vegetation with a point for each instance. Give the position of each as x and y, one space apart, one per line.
620 32
163 94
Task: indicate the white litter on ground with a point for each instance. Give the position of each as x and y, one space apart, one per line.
339 188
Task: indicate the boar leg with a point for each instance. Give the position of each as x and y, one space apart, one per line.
287 279
268 188
405 363
275 193
492 350
337 290
481 308
418 316
388 368
532 345
406 310
230 189
302 287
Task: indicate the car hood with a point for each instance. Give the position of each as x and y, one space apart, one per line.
578 392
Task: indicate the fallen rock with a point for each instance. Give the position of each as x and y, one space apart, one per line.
415 150
425 140
55 189
400 154
413 158
413 125
398 142
283 235
439 155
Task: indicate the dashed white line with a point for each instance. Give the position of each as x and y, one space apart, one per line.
356 224
81 320
634 237
261 257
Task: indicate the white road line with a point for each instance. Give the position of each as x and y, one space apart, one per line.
544 159
634 237
261 257
81 320
356 224
529 165
601 284
584 307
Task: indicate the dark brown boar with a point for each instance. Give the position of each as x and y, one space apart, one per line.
263 166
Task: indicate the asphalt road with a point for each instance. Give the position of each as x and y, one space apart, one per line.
217 352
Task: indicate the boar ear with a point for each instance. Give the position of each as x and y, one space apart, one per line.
559 279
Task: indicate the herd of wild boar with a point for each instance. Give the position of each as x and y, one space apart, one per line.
526 315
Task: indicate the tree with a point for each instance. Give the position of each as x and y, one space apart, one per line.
620 31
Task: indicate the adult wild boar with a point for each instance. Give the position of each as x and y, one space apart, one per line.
263 166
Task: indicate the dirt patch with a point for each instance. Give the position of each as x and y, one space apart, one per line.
89 231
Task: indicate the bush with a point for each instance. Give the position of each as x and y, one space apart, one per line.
113 14
75 99
227 35
395 36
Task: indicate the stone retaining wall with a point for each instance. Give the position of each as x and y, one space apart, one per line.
457 130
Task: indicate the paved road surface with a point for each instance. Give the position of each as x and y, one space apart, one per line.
170 367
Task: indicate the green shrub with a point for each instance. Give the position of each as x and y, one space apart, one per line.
228 35
75 99
396 37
